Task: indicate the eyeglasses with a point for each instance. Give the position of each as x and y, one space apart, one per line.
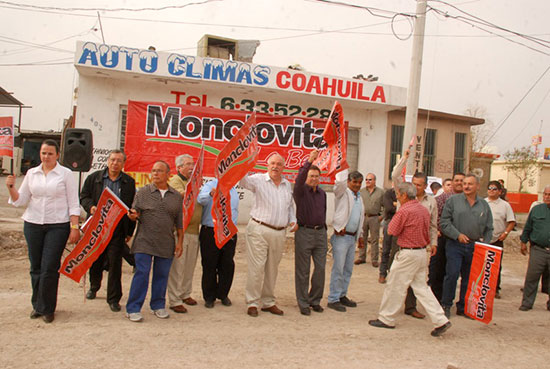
369 179
492 188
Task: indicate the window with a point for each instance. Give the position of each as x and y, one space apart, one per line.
353 148
123 114
460 152
429 151
397 133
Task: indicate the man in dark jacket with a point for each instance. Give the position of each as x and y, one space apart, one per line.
124 187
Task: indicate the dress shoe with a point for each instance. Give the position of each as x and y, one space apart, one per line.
48 318
497 295
317 308
190 301
226 301
379 324
305 311
273 310
347 302
336 306
209 304
440 330
462 313
382 279
359 261
252 311
180 309
115 307
35 314
524 308
416 314
375 264
90 295
447 311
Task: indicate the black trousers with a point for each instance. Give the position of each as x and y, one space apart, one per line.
112 258
218 266
437 267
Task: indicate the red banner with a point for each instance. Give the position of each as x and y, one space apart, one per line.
482 284
192 191
98 232
6 136
236 159
163 131
333 157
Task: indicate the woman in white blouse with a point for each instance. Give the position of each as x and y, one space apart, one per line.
50 192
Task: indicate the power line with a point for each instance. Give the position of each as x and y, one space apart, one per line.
25 6
518 104
28 43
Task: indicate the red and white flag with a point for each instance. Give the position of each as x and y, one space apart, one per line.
333 158
192 190
235 160
6 136
98 233
482 284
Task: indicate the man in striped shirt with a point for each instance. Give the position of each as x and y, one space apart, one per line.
272 212
411 225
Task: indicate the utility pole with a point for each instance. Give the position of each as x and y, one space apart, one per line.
413 92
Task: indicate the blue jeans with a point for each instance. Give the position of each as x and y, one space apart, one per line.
343 252
46 243
459 260
140 282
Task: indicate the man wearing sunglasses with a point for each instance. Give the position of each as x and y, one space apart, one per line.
503 220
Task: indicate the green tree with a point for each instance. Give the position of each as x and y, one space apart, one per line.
523 164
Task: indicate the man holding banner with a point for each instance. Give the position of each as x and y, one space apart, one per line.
466 218
218 266
180 281
272 212
124 187
159 210
537 232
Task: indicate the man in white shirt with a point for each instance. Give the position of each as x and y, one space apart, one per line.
503 220
272 212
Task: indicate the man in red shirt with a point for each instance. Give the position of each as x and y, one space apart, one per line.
411 226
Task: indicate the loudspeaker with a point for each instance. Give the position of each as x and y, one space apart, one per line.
77 149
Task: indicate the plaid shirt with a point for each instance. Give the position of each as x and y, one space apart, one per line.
441 200
411 225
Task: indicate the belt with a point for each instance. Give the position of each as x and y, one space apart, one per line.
412 248
268 225
373 215
343 232
316 227
547 248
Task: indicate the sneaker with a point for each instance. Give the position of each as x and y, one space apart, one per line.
134 317
440 330
347 302
161 313
337 306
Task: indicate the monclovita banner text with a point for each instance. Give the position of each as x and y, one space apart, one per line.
161 131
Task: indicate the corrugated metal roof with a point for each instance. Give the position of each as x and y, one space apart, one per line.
7 99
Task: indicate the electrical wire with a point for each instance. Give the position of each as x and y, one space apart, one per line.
518 104
107 9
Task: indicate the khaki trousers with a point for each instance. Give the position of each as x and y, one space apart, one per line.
264 250
409 268
180 280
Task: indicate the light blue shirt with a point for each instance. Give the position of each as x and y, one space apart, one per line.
355 216
205 200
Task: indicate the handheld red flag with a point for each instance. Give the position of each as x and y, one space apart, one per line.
6 136
192 189
333 157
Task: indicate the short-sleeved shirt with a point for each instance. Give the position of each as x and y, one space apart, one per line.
502 215
411 225
159 216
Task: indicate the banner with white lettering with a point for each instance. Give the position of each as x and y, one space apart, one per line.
162 131
482 284
192 190
236 159
6 136
97 235
335 136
